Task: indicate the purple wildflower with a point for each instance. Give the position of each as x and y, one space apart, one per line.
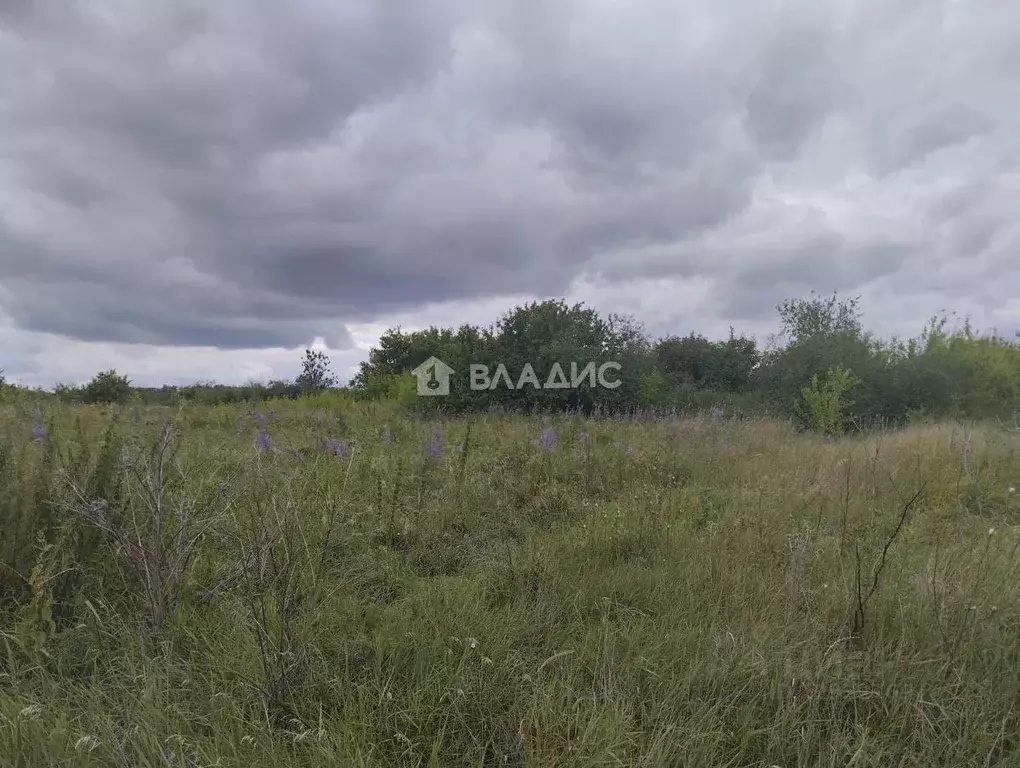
38 429
263 442
336 447
434 446
547 440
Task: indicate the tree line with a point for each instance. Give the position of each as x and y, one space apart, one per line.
823 369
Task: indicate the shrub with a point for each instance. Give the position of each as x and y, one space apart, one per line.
827 403
107 387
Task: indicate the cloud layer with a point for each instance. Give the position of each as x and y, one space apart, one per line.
251 175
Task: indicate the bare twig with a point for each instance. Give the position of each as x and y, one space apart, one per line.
862 600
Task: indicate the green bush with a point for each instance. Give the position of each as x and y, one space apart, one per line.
107 387
826 402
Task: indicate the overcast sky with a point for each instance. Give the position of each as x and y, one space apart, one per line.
193 189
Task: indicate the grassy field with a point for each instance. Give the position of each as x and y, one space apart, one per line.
355 587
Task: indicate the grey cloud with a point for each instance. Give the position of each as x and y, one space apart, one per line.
253 174
827 264
796 90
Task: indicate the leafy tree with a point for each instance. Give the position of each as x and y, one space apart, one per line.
686 360
629 346
540 334
553 333
738 359
399 352
107 387
824 334
723 366
69 393
803 319
315 372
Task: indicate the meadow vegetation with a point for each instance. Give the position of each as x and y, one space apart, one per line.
346 584
803 554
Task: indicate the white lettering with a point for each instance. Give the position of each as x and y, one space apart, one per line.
528 377
501 371
479 376
576 378
602 375
557 383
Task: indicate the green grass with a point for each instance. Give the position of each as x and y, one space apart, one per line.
687 602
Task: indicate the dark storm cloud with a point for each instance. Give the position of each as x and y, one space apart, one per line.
258 173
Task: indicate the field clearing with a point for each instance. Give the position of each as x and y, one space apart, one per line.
356 587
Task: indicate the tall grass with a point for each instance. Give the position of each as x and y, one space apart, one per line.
534 592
